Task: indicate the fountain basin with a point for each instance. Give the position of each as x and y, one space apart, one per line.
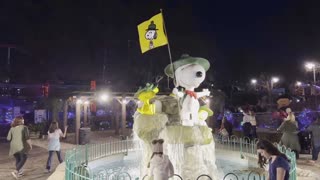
129 166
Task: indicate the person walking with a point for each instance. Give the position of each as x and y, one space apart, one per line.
279 164
225 128
315 129
289 128
249 124
20 144
54 135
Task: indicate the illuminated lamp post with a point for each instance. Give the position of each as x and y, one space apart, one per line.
298 83
268 85
312 66
254 83
272 82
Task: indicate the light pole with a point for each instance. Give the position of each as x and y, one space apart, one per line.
312 66
273 80
254 84
253 81
299 83
266 85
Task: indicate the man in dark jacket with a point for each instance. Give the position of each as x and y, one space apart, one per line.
315 129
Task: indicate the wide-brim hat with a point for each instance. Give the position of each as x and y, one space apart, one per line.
186 59
152 26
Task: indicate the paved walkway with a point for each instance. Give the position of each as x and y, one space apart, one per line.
34 168
305 169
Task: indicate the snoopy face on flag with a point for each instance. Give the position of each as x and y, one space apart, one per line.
151 34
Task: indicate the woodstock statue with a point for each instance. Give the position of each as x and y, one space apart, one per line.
179 120
144 95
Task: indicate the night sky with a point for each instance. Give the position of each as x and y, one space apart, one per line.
70 41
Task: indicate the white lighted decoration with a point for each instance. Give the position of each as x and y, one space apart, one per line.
180 120
104 97
275 79
310 65
189 73
253 81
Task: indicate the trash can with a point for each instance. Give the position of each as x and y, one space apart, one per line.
84 135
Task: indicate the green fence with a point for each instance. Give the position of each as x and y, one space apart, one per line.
293 161
78 158
248 147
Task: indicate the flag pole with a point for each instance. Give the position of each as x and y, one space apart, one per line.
172 66
169 51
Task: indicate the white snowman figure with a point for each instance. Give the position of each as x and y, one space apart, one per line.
161 167
189 72
151 34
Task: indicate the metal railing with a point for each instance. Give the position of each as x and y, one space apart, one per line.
78 158
293 161
248 147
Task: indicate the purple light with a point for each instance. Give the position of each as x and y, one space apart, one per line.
305 118
229 116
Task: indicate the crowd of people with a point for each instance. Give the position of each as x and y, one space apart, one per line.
268 153
288 128
20 143
290 135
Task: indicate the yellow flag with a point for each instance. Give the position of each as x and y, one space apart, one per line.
151 33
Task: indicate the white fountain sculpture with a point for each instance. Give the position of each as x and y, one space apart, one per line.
179 120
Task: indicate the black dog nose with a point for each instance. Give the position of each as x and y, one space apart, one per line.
199 74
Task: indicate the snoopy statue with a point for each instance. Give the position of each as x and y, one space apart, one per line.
189 72
179 120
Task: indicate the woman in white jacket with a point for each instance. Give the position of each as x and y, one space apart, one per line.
161 167
250 119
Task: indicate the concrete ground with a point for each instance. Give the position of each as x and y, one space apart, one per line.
34 168
305 170
36 163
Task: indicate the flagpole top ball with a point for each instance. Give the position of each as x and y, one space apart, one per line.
152 26
184 60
